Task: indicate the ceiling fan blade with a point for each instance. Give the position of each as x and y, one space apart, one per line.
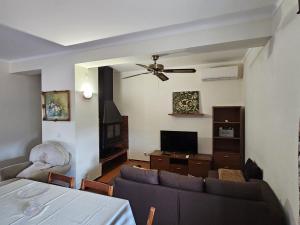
135 75
144 66
162 76
179 71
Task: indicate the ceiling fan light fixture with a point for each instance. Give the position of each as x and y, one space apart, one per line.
159 69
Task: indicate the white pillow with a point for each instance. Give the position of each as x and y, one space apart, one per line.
48 153
60 147
33 170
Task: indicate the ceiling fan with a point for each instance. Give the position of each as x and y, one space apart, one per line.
159 70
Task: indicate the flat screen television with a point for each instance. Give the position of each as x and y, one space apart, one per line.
179 141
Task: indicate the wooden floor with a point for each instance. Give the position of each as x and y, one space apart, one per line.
109 176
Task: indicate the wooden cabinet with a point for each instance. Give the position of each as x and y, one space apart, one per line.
228 149
159 162
179 168
227 160
199 168
196 165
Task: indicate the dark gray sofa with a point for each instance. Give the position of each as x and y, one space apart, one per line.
182 200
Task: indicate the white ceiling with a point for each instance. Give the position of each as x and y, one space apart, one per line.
33 28
179 59
15 44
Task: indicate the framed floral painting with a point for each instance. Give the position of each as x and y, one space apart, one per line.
186 102
56 105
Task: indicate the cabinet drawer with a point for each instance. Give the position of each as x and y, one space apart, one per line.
227 160
179 168
199 168
159 162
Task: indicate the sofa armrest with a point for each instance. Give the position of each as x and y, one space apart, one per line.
13 161
12 171
273 202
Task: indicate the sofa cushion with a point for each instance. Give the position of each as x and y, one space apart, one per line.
252 171
248 190
141 175
178 181
206 209
13 161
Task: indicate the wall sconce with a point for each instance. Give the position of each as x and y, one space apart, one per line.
87 89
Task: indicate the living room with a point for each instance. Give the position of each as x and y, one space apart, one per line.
261 37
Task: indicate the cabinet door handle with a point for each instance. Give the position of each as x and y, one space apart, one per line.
198 163
178 168
159 159
226 156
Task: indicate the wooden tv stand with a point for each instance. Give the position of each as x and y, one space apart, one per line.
195 165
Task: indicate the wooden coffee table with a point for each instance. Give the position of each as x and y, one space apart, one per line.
231 175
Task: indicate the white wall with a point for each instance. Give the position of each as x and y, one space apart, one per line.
87 129
147 101
59 75
273 108
20 113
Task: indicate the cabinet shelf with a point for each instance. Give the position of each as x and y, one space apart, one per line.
219 122
229 138
227 150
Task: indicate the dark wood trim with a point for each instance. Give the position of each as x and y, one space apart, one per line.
151 216
226 122
229 152
299 7
111 157
96 187
52 177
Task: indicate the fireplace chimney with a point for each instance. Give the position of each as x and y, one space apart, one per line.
109 116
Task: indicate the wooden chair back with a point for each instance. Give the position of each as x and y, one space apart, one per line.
151 216
58 179
97 187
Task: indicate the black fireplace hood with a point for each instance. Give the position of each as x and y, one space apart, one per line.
108 111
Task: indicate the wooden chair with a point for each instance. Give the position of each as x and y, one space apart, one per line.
151 216
97 187
61 180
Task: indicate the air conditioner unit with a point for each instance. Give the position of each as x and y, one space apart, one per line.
221 73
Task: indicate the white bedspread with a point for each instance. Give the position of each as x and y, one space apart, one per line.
61 206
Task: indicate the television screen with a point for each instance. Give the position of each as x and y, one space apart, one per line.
179 141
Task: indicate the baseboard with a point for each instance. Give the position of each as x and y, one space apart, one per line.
138 160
